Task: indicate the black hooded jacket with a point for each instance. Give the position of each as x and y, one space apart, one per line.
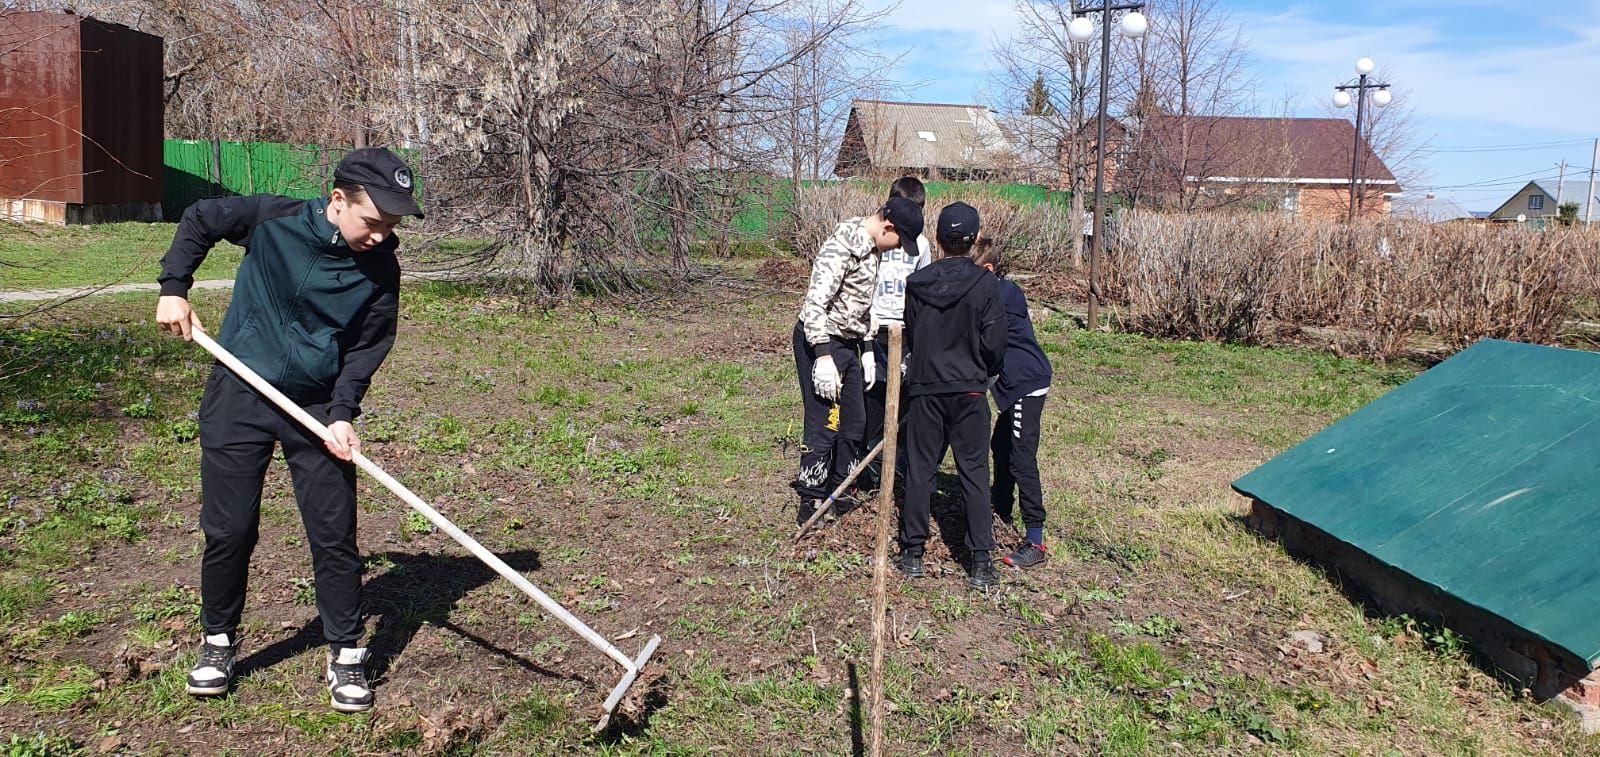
955 328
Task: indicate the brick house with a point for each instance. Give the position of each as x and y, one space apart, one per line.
1298 165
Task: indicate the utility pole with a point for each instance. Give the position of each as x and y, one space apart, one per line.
1561 183
1588 205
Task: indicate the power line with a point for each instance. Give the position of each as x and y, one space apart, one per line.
1521 178
1503 148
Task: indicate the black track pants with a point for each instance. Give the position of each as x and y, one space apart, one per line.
237 432
934 423
1015 445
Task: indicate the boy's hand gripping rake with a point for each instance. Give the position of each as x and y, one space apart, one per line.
631 667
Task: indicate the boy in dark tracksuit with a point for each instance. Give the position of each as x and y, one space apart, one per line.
1019 395
956 332
314 310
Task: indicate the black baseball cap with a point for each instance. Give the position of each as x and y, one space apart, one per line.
958 223
907 219
386 178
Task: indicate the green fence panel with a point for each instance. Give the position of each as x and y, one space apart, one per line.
198 169
186 176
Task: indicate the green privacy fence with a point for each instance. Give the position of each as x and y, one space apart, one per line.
197 169
763 205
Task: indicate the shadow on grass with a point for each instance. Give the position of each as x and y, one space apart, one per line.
858 741
626 725
416 590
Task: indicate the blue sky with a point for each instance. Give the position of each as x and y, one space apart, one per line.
1500 93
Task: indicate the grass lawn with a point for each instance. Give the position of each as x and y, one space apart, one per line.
634 463
34 256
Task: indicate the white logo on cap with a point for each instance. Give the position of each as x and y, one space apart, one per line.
403 178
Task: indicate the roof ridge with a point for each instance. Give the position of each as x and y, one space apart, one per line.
926 105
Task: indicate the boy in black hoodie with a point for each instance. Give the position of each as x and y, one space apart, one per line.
956 334
1019 395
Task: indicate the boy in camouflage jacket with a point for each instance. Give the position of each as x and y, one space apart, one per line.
828 340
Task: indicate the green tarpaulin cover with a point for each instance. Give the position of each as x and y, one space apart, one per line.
1480 477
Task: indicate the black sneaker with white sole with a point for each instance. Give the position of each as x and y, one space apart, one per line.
347 680
213 672
1026 555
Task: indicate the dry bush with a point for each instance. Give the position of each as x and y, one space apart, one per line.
1585 271
1371 281
1045 233
1492 282
998 218
1198 276
817 210
1375 284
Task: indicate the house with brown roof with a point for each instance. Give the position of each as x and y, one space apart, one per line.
1299 165
936 141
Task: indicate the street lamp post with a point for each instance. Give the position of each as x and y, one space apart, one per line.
1381 97
1080 30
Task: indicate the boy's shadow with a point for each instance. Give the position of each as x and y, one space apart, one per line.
417 589
949 511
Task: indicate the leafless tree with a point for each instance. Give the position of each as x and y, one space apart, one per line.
1042 53
1191 64
588 140
818 86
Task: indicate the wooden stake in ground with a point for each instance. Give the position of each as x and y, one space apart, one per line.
880 572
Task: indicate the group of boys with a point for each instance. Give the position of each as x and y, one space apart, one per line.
966 333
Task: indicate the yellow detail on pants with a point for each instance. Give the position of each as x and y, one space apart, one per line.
833 418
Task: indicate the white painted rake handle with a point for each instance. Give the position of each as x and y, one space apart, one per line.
499 566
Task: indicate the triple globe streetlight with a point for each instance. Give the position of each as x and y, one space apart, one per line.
1381 97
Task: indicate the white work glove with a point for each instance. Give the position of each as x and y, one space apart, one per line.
869 369
825 378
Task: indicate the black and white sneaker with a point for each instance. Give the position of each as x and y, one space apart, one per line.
213 672
983 575
347 680
1026 555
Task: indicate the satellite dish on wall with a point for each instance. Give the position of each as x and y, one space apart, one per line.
1522 218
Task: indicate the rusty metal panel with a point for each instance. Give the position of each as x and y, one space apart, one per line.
122 114
41 155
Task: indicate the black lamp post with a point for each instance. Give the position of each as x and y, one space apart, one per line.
1341 98
1080 30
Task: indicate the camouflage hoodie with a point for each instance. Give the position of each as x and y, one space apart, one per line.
839 298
